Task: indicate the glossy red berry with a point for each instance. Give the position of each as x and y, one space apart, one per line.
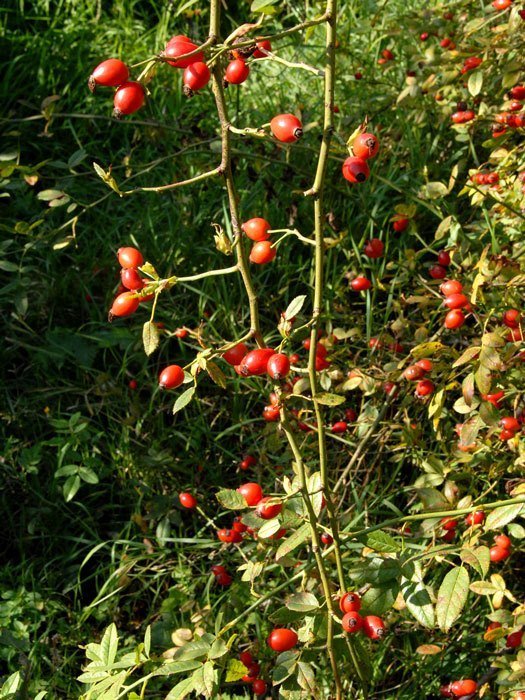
400 224
455 301
247 462
246 658
257 229
129 257
503 541
461 688
281 639
278 366
196 76
451 287
360 284
128 99
262 253
374 627
413 373
437 272
259 686
448 523
110 73
475 518
224 579
238 524
123 305
355 169
425 364
286 128
171 377
229 536
444 258
365 146
326 539
251 492
187 500
511 318
498 553
339 427
387 54
424 388
350 602
352 622
256 362
131 278
500 5
514 639
133 384
454 319
267 510
236 72
510 423
234 355
374 248
178 46
262 45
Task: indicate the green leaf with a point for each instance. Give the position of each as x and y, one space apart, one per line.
70 487
294 307
109 645
382 542
49 195
452 597
172 667
283 616
235 670
297 538
192 650
477 557
216 374
218 649
88 475
377 601
327 399
184 399
251 570
10 685
150 337
483 588
284 668
269 528
261 5
475 82
181 690
302 602
500 517
418 601
306 678
231 499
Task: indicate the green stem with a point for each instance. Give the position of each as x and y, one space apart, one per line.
226 172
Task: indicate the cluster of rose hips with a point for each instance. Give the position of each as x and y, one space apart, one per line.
129 96
372 625
502 543
386 57
222 577
512 319
257 230
509 118
513 640
258 684
355 167
254 363
439 270
416 372
127 302
265 508
456 301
